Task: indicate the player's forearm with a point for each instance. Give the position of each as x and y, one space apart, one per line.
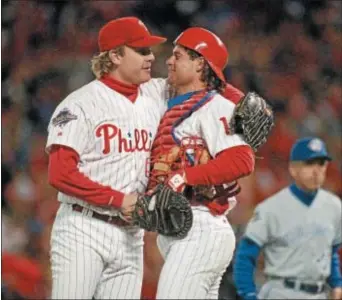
231 164
335 278
244 267
65 177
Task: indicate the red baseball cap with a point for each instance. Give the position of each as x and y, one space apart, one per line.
208 44
128 31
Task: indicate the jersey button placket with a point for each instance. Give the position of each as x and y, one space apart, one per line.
135 154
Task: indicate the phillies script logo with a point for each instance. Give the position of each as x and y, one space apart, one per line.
138 140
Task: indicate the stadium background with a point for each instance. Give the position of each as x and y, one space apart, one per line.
289 51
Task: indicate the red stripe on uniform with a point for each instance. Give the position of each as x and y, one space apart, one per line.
232 93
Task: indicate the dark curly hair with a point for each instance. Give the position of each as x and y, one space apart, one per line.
208 75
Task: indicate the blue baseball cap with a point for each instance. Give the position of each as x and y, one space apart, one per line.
309 148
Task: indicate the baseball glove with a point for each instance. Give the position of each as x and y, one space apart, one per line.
254 119
165 211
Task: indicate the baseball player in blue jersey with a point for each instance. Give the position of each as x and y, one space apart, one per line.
299 231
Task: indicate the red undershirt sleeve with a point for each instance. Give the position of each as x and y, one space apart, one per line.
229 165
65 177
232 93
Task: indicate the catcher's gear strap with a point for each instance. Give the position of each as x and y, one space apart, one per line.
254 119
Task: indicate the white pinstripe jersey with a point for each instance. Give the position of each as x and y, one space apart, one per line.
112 135
211 123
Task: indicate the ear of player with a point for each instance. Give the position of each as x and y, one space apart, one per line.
164 211
254 119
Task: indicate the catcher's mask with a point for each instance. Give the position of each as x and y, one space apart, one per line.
191 151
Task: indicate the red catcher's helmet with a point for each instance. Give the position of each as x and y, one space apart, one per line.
208 44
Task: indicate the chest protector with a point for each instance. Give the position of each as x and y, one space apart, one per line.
165 140
170 154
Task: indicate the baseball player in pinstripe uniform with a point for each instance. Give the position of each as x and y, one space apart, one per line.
99 146
194 265
299 231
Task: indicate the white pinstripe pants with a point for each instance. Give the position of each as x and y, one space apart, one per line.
194 266
91 258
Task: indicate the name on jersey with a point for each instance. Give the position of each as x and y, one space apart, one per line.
136 140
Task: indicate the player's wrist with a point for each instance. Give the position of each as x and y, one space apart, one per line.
177 181
116 199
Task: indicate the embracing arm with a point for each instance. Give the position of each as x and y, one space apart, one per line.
65 176
229 165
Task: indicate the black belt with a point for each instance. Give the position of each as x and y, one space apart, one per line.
114 220
311 288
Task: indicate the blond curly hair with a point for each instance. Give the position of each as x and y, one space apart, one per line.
101 63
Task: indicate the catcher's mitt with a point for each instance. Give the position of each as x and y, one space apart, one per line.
254 119
165 211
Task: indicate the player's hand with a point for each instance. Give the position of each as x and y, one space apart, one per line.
336 293
128 205
177 181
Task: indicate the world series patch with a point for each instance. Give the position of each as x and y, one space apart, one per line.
64 117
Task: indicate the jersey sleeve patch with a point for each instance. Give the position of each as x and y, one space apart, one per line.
63 117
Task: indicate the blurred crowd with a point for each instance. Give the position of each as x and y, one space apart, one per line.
289 51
